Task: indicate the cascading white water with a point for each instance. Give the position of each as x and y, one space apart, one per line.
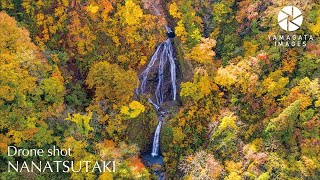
154 104
145 73
163 54
172 70
159 90
156 138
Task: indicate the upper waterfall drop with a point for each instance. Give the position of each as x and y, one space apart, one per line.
162 57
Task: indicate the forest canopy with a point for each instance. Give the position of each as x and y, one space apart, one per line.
247 105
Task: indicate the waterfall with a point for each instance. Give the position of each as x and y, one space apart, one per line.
156 138
162 57
172 70
163 54
154 104
145 73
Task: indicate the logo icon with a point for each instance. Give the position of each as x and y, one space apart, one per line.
290 18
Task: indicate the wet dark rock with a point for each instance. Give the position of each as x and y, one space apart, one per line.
171 34
154 78
152 161
155 164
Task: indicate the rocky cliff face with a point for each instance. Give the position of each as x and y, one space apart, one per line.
154 77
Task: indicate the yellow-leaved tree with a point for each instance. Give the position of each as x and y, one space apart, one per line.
82 121
112 85
133 110
30 89
202 52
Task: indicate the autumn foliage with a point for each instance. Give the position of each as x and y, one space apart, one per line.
245 109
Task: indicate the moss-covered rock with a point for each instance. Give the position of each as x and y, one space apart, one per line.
140 130
166 137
